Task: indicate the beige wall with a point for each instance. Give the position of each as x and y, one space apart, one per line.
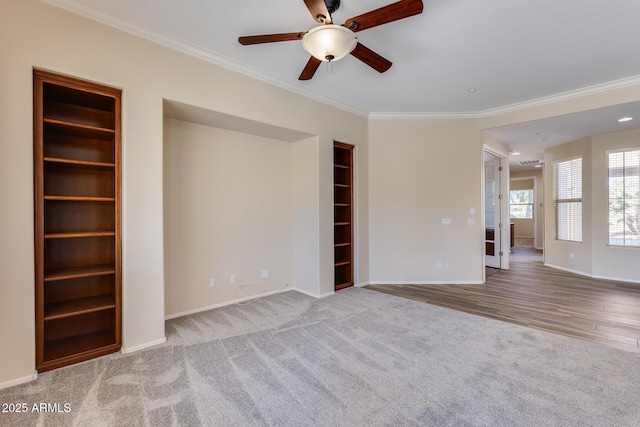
593 256
609 261
228 210
421 171
46 37
557 252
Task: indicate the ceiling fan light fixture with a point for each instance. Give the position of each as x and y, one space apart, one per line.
329 42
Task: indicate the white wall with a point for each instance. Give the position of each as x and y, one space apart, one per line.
228 210
46 37
420 171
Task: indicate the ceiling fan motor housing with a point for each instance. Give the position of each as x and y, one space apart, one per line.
332 5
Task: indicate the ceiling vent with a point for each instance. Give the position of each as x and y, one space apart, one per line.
529 162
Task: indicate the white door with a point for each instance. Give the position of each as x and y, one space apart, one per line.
492 211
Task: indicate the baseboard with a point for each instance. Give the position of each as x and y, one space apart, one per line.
127 350
428 282
314 295
235 301
361 285
19 381
593 276
326 294
616 279
557 267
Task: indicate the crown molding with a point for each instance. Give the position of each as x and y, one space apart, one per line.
546 100
416 115
563 96
222 61
192 50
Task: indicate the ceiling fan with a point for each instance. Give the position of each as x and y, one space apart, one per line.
330 42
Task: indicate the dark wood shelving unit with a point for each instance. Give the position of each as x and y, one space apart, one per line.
77 175
343 215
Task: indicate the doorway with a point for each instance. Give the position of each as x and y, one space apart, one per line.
496 233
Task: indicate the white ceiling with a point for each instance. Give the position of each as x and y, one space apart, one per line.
508 51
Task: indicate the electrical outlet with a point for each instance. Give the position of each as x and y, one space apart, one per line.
264 274
233 279
212 283
439 264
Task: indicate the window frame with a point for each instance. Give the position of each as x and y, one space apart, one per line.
609 232
568 202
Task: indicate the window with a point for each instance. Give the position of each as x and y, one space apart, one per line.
624 197
568 199
521 204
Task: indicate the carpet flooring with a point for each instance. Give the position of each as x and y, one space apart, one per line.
357 358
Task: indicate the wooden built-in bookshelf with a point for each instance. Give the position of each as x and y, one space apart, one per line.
343 215
77 192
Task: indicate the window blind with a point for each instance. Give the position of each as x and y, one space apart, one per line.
568 199
624 197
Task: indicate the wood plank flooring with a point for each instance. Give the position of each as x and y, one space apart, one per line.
532 295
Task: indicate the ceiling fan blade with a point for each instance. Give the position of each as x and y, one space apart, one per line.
319 11
384 15
371 58
310 68
270 38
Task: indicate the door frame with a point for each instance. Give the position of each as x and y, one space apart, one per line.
535 204
504 208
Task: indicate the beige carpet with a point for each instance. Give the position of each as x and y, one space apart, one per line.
357 358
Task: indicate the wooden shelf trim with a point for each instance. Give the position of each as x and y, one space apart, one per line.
342 185
338 264
341 166
342 204
72 125
76 273
76 307
341 223
79 234
339 286
75 347
342 244
80 199
78 162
